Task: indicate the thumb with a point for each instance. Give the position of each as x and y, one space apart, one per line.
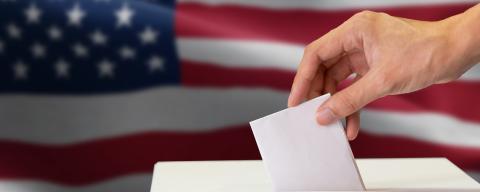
348 100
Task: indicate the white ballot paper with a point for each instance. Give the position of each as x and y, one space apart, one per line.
301 155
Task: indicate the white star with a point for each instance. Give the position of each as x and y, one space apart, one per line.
98 38
55 33
124 16
155 63
62 68
13 31
20 70
105 68
148 36
127 52
79 50
38 50
75 15
33 14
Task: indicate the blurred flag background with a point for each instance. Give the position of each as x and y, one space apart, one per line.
94 92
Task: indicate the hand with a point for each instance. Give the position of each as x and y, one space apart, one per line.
388 55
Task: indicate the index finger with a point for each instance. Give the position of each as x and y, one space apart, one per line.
326 47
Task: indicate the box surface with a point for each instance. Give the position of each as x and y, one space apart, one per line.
417 174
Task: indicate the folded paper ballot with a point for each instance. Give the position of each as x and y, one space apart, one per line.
301 155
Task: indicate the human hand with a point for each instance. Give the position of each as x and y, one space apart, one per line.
389 56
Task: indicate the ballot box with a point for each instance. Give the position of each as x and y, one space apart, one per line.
392 174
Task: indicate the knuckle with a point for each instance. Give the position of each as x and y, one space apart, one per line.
345 104
364 15
309 49
362 21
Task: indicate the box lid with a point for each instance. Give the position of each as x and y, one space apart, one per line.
422 174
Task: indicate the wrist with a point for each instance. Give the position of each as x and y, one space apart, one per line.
462 33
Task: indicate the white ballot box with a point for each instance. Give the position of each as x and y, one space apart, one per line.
402 174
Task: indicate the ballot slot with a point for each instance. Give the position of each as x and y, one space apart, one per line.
300 155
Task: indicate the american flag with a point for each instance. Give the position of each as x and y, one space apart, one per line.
94 92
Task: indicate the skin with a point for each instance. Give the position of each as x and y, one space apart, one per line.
388 56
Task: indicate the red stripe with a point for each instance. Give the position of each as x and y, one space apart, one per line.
95 161
436 98
456 98
200 74
300 26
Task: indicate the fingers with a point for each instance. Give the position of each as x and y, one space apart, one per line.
327 47
353 120
317 84
353 125
349 100
337 73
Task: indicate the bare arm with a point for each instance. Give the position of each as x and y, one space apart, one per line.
389 55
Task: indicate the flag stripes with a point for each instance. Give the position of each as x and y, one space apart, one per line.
334 5
237 61
291 25
101 160
134 182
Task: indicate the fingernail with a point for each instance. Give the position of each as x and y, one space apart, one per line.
325 116
351 137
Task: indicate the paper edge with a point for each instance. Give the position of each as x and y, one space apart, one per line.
328 95
352 157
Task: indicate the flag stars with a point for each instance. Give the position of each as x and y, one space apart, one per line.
155 63
148 36
33 14
20 70
80 50
38 50
62 68
98 38
75 15
55 33
106 69
14 31
124 16
127 52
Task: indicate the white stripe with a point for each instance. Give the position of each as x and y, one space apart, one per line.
432 127
241 53
131 183
255 54
61 120
68 119
324 4
472 75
